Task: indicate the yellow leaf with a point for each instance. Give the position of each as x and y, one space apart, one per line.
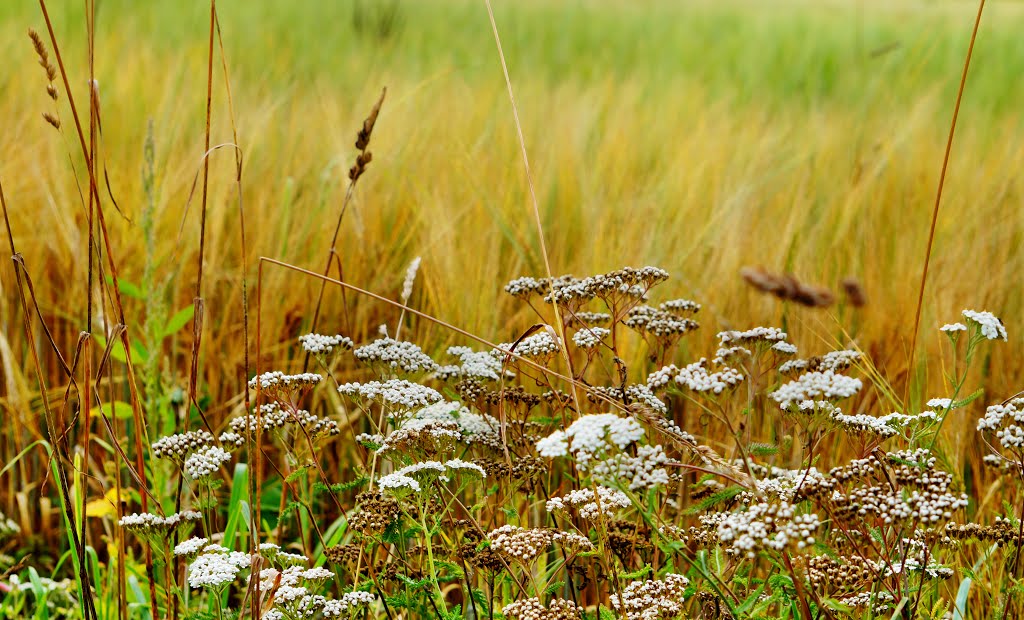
106 506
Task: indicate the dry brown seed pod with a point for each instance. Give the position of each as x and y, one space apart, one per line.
787 288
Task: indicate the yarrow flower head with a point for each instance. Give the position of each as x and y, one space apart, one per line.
592 436
539 346
390 355
827 385
397 395
178 447
608 502
320 344
989 324
206 461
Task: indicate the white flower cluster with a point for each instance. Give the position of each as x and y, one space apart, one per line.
526 287
321 344
279 381
191 546
783 484
146 522
627 282
590 337
608 502
680 306
179 446
879 602
539 345
397 394
725 354
940 403
292 598
591 436
812 385
990 325
216 569
533 609
206 461
659 323
653 599
952 328
774 526
396 355
784 347
757 334
524 544
349 602
476 364
473 427
838 360
644 471
412 478
271 417
1007 422
696 377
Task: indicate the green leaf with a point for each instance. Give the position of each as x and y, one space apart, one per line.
963 402
127 288
178 321
118 409
722 496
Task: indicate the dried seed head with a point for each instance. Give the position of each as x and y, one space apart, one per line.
787 287
363 138
854 292
51 119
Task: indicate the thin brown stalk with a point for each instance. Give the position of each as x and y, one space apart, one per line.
197 320
563 346
938 198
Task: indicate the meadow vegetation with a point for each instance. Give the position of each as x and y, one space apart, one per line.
656 441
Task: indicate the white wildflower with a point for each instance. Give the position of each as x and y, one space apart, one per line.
990 325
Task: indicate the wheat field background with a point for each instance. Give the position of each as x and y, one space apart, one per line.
699 137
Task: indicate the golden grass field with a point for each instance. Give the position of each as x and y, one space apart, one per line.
700 137
832 174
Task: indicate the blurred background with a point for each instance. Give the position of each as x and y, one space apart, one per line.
698 136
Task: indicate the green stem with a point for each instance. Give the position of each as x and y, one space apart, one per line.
430 555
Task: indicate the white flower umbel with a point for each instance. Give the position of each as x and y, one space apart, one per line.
784 347
554 445
989 324
696 377
398 484
825 385
321 344
1006 422
940 403
206 461
590 337
216 570
537 346
476 364
395 355
953 328
610 502
757 334
348 603
463 467
398 395
191 546
592 436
